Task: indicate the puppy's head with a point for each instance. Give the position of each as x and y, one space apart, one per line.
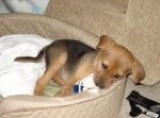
114 63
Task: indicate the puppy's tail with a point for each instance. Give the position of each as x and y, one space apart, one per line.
38 58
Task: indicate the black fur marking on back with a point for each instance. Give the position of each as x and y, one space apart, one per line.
75 50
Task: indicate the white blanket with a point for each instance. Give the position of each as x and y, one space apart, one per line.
19 78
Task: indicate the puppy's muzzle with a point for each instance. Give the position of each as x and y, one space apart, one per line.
99 83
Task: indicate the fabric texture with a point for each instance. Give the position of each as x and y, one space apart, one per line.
23 6
3 8
18 78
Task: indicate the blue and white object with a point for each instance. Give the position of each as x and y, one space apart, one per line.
86 85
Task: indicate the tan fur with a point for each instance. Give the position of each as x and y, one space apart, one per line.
109 64
120 62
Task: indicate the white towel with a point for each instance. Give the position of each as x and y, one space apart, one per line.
19 78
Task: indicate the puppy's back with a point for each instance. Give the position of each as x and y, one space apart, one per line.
75 49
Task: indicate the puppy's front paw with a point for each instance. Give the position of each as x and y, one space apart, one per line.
66 91
39 90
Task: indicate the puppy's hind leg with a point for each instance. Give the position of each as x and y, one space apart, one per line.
55 64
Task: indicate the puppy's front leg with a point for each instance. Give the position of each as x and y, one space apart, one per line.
83 69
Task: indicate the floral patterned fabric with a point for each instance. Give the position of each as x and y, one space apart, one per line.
23 6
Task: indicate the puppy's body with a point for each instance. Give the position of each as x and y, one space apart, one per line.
64 60
75 52
68 61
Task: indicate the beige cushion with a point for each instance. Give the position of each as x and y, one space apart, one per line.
143 34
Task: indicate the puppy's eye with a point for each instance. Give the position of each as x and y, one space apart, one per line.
116 76
104 66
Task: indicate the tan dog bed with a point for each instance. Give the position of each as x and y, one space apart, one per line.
106 104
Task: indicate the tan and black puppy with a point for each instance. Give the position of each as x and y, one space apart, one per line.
68 61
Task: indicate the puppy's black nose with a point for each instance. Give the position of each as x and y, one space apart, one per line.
100 85
96 83
138 84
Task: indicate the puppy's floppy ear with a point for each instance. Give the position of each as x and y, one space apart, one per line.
105 42
138 72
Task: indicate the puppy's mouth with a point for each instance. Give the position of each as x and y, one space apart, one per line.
98 83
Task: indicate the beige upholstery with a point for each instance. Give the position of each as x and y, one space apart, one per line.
143 33
105 104
133 23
